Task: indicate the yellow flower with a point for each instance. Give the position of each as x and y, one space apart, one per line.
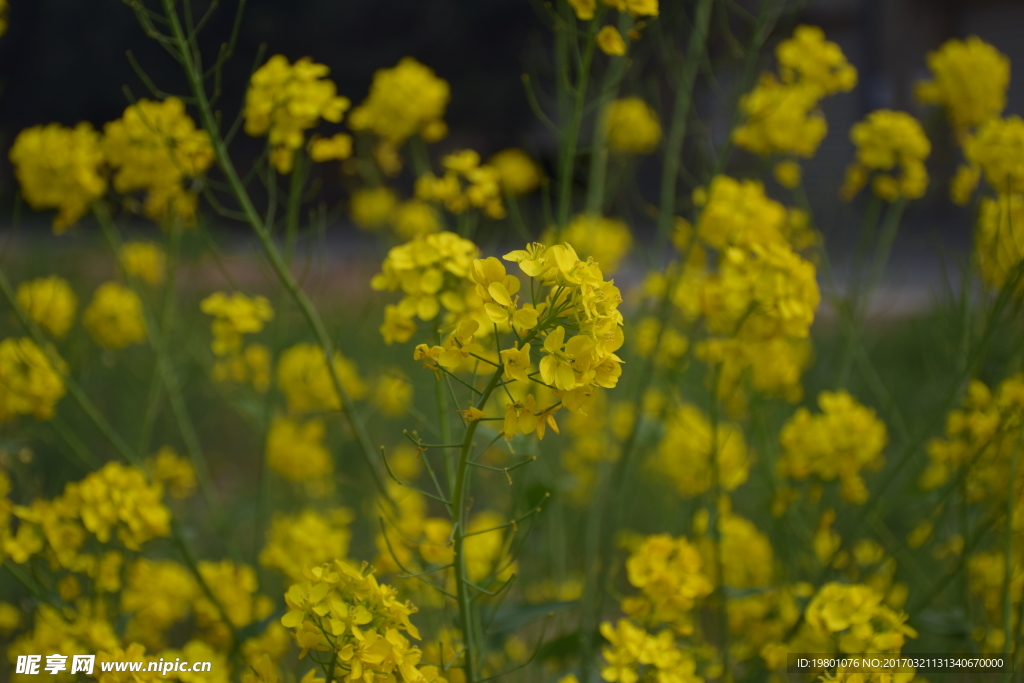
610 41
781 118
889 141
670 575
371 208
157 593
169 468
584 9
29 384
145 261
414 218
607 240
997 150
638 8
338 147
306 539
632 126
234 315
3 17
998 239
466 183
520 417
392 393
788 174
837 444
396 327
295 449
50 303
59 168
970 79
114 317
519 174
684 454
404 100
284 100
154 147
305 381
810 60
516 362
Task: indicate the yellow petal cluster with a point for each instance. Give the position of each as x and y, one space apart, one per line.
295 449
690 441
173 471
632 126
838 443
145 261
155 147
305 381
999 238
60 168
465 184
891 146
49 302
114 317
606 240
404 100
969 79
518 173
235 315
307 539
808 59
285 100
371 208
29 384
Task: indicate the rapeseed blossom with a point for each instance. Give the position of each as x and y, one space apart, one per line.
295 449
995 150
60 168
306 539
415 218
690 441
517 172
145 261
29 383
405 100
49 302
999 238
610 41
114 317
305 381
838 443
892 146
155 146
606 240
172 470
285 100
236 315
371 208
969 79
466 184
632 126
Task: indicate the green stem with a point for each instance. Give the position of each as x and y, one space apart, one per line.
714 526
572 133
277 261
677 130
1011 497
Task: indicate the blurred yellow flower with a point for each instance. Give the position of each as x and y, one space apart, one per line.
632 126
285 100
304 379
59 168
338 147
307 539
891 145
519 174
606 240
176 471
392 394
50 303
154 147
810 60
145 261
584 9
969 79
404 100
295 449
414 218
371 208
788 174
610 41
29 384
114 317
638 8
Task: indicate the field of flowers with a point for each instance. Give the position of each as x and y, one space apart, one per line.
467 453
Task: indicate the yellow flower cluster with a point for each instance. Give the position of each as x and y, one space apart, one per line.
114 317
145 261
684 455
172 470
342 610
747 555
671 577
632 126
759 302
59 168
782 114
981 435
157 594
481 188
969 79
335 148
995 152
372 207
999 239
845 438
432 272
606 240
285 100
305 381
610 41
986 575
234 597
236 315
633 652
29 384
154 147
50 303
888 142
295 449
307 539
404 100
585 9
517 172
596 438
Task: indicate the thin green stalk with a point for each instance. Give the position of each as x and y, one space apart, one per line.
572 132
277 261
714 526
677 130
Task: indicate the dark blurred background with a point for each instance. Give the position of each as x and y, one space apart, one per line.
64 60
